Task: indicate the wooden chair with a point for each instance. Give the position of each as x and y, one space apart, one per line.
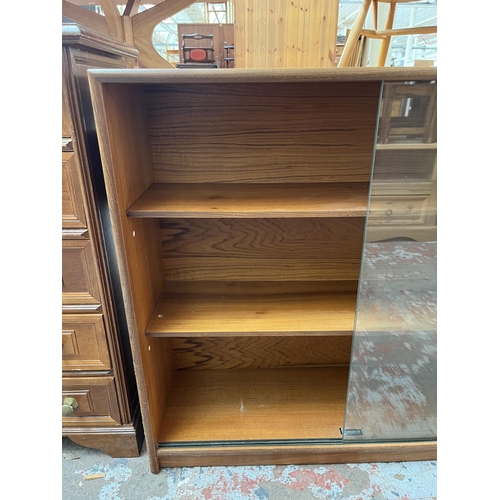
384 35
229 59
397 122
198 53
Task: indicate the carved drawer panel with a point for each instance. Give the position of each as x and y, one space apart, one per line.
96 401
73 212
80 279
84 345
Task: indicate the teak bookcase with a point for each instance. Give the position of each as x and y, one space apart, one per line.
238 202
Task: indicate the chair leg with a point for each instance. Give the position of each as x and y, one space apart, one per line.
375 14
384 46
354 35
430 134
385 120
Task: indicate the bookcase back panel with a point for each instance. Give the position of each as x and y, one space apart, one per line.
266 133
259 352
261 404
262 249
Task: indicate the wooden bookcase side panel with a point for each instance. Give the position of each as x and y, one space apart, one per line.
262 249
265 133
125 151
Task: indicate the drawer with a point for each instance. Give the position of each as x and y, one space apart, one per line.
96 398
399 210
73 210
84 345
80 278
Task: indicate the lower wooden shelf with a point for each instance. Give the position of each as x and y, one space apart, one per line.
263 308
255 405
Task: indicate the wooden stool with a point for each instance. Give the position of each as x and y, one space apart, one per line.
384 35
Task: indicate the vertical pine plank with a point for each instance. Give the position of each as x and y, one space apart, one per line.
332 38
281 33
240 37
252 33
303 35
328 40
291 33
272 20
314 33
260 39
323 31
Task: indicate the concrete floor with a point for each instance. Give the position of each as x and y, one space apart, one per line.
131 479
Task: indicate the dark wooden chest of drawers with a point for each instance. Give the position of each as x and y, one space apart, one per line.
99 393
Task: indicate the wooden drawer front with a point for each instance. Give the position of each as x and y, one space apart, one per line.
84 345
97 401
80 281
73 211
399 210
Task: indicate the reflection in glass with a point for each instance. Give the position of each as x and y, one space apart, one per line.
392 382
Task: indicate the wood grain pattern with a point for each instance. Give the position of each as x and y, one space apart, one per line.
80 277
143 24
97 401
153 77
94 342
250 134
213 405
279 34
117 443
297 454
84 344
73 208
252 200
237 288
85 17
193 309
260 352
262 249
127 171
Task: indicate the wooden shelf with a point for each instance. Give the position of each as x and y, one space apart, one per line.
165 200
260 404
198 309
401 146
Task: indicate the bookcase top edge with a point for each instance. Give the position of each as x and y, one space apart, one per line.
159 76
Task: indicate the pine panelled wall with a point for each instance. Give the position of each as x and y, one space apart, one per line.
285 33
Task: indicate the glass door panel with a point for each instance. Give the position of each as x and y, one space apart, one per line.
392 381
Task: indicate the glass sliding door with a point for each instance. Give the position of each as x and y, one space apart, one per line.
392 381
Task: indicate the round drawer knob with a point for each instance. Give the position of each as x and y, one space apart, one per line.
69 406
388 211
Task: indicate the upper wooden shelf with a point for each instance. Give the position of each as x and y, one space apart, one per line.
165 200
213 309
